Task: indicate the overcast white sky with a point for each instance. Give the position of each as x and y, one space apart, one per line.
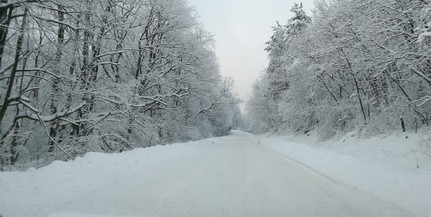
241 28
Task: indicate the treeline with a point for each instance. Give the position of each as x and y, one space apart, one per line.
105 75
356 64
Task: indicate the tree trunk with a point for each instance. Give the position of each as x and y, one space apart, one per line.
18 50
5 18
55 81
14 144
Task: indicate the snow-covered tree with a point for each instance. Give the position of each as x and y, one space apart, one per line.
86 75
276 80
359 64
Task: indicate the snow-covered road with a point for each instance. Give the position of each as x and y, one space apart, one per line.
229 176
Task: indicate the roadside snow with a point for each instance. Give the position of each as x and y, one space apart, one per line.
396 168
39 192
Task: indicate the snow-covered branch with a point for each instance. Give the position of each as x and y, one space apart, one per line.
49 118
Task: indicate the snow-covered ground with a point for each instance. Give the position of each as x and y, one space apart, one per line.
396 168
238 175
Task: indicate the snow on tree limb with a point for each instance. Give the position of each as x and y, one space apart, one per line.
49 118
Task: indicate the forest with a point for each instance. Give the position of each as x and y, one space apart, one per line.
105 76
113 75
353 65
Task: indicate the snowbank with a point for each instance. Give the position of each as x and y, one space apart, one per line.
39 192
396 168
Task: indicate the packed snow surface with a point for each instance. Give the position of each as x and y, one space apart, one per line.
237 175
